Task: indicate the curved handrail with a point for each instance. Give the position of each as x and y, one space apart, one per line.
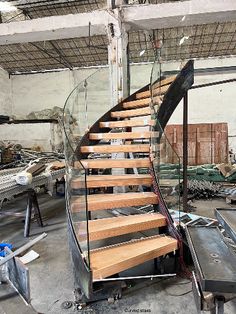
182 82
72 159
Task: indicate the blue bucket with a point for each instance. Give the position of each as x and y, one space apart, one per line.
2 246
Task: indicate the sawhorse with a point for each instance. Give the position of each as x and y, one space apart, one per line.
32 206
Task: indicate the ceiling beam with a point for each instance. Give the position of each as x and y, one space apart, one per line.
180 13
54 27
146 17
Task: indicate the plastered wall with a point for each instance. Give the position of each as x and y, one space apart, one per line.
23 94
5 93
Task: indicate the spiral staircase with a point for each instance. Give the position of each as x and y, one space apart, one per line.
118 217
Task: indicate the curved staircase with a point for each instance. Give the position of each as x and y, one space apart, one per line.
117 215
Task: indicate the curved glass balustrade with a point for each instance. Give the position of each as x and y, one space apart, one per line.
86 103
166 162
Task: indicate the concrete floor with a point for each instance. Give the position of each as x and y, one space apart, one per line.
206 207
51 276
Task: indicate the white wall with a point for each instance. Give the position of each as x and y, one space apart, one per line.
5 93
37 136
41 91
214 103
45 90
206 105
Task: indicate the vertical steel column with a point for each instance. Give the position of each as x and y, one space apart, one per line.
185 151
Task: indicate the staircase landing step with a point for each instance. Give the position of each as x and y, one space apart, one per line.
113 259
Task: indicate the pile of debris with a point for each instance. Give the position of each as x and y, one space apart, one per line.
203 189
14 155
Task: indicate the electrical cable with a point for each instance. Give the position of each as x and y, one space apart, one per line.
177 295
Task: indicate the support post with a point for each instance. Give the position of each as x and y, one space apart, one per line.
118 66
117 59
185 151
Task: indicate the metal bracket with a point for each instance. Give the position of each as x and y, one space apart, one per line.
18 275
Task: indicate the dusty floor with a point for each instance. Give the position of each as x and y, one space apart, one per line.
51 276
206 207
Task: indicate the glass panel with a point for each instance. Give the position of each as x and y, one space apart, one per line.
84 106
166 162
74 126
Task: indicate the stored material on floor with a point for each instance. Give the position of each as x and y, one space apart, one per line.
227 218
215 264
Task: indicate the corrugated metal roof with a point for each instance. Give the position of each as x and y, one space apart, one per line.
200 41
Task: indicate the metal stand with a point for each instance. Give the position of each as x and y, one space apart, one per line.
219 306
185 152
32 204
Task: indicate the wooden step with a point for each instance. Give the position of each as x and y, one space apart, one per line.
159 87
156 92
95 181
116 258
111 227
142 148
110 201
119 135
142 102
166 81
131 113
126 123
137 103
114 163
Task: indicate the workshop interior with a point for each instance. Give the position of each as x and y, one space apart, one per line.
117 156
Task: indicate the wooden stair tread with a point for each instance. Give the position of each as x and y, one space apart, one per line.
94 181
166 81
115 226
131 113
110 201
116 258
137 103
115 148
114 163
142 103
159 88
126 123
119 135
156 92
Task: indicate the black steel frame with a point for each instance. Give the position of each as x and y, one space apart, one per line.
83 275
